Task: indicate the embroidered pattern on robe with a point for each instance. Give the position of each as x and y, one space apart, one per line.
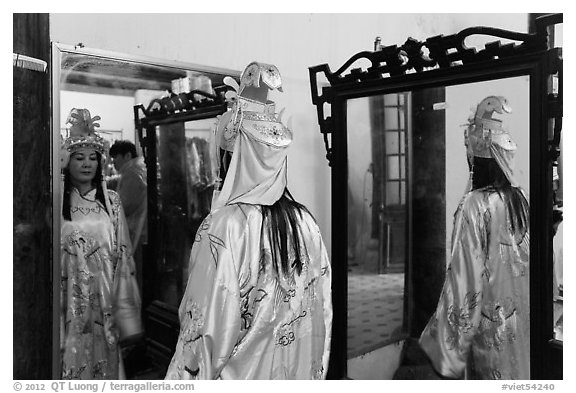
257 324
483 317
95 260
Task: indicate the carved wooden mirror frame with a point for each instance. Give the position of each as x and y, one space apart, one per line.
447 61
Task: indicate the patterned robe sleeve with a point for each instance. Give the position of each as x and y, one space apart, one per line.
326 290
449 333
210 320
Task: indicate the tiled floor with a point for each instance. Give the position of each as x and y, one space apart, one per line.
375 303
375 309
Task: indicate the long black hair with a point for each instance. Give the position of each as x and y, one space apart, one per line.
96 183
284 216
488 174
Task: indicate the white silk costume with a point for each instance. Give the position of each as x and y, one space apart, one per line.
240 318
482 321
483 310
98 287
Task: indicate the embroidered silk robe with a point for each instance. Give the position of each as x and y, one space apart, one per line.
98 284
239 319
482 319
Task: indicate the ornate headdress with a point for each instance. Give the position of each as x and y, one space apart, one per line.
247 109
256 72
259 140
83 135
487 137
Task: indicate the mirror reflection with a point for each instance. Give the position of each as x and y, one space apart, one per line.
100 301
377 215
557 225
112 263
407 174
185 182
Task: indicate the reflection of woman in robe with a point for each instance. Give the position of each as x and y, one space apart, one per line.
482 320
258 301
100 302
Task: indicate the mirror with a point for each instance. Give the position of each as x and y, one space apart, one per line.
558 209
184 180
395 200
377 220
111 85
407 172
393 121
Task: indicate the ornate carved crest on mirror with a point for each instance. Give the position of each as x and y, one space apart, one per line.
392 122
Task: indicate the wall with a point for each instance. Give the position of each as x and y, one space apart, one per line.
291 41
116 112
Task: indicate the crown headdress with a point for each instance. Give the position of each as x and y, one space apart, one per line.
84 137
256 72
257 118
483 131
255 133
83 134
486 137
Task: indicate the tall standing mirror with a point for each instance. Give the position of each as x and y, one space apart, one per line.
395 139
127 91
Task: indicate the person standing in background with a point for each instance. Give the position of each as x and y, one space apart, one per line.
132 187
